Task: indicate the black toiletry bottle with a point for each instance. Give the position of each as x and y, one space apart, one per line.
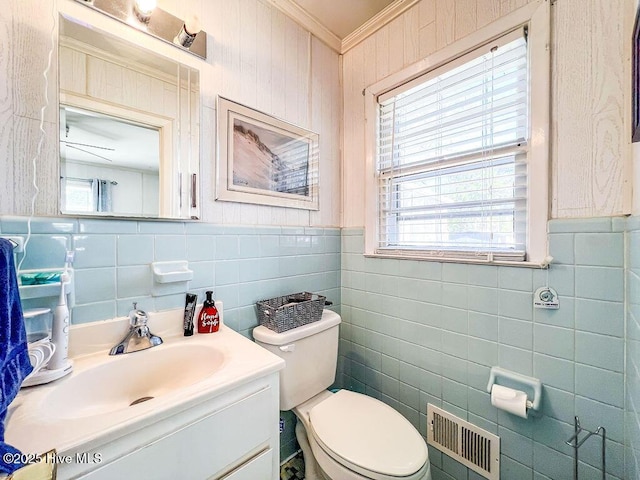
189 311
209 319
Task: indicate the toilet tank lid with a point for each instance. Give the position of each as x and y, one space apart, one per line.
263 334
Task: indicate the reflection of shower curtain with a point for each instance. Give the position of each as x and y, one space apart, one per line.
101 190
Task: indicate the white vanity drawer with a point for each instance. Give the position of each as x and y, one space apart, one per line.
206 448
258 468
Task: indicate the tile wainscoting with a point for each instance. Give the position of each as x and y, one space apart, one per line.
240 264
632 344
416 332
413 332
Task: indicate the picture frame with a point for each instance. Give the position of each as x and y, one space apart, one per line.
635 81
265 160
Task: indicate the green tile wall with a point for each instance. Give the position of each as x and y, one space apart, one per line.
240 264
417 332
413 332
632 344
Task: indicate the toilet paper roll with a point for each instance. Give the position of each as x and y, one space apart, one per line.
509 400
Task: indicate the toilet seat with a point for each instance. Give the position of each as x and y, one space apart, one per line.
368 437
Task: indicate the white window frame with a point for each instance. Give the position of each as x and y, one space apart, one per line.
536 17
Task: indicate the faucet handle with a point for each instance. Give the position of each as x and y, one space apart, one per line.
137 317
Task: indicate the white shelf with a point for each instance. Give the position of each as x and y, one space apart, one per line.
45 290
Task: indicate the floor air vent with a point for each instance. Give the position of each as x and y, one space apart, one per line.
472 446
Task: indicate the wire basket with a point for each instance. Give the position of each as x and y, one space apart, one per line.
290 311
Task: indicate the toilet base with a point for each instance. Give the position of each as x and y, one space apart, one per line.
312 470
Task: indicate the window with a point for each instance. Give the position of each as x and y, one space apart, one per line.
87 195
457 173
78 195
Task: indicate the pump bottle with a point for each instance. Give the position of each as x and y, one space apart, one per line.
208 319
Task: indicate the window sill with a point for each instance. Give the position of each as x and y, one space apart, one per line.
542 265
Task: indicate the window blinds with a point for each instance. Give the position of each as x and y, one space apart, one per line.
452 157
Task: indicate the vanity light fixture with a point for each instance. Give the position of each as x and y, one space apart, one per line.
187 34
155 22
143 9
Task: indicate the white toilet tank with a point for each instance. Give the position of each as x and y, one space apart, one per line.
311 356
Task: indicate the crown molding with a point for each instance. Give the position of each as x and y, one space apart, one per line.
308 21
385 16
304 19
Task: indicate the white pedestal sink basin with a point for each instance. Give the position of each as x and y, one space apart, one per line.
148 413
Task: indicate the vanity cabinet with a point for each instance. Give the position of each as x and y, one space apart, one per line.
233 436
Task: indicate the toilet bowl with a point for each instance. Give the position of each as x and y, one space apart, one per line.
350 436
343 435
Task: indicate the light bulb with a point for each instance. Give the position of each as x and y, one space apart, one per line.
188 32
146 6
143 9
192 25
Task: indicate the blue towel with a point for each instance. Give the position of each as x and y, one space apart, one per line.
14 352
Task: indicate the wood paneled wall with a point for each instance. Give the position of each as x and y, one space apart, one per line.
256 56
590 149
90 75
261 58
23 148
591 104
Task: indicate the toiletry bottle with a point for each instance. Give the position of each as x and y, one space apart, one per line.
189 310
209 319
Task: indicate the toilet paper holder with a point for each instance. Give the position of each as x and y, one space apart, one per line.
513 380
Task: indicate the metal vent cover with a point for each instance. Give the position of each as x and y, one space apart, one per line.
470 445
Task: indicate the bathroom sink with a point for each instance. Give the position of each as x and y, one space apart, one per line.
128 380
109 397
117 416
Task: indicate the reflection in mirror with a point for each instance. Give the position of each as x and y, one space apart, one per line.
129 128
108 164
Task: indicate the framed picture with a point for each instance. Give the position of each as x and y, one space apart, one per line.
635 81
265 160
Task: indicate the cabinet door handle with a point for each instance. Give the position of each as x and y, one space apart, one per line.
194 186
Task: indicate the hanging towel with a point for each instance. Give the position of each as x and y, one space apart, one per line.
14 352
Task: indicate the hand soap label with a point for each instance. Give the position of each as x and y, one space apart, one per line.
209 320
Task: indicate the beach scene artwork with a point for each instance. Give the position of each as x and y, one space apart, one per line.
265 160
269 159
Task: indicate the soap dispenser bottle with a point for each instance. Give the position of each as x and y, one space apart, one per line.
208 319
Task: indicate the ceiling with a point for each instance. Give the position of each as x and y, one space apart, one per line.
94 138
342 17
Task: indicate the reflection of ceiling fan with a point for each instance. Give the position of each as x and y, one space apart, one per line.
78 146
94 138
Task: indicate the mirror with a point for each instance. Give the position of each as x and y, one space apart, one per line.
129 128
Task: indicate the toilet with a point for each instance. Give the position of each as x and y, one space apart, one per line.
343 435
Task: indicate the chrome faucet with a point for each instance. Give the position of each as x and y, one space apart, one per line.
139 337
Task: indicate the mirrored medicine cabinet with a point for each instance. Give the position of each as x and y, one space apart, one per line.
129 128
